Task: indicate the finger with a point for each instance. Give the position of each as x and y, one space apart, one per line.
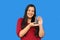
36 24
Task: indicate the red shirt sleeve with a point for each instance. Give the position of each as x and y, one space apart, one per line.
18 27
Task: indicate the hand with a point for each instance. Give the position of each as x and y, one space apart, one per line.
40 21
32 24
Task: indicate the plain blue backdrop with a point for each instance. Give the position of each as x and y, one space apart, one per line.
11 10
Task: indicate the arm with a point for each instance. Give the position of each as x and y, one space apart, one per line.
21 32
41 30
24 31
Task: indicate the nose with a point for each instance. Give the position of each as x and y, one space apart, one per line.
30 11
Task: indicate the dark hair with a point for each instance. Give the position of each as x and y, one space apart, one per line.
24 22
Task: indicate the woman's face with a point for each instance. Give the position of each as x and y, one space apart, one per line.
30 12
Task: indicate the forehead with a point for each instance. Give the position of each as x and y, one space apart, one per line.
31 8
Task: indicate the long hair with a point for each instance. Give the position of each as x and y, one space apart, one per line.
24 22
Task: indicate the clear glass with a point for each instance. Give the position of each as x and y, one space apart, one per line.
36 21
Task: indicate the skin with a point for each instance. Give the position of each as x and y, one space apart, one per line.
30 14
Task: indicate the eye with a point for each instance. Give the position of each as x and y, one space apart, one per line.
32 10
29 10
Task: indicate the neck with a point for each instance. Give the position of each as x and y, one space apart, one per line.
29 20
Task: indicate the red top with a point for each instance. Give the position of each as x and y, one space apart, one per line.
30 34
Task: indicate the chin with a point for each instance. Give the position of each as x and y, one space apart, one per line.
29 17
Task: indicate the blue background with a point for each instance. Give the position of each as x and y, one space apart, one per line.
11 10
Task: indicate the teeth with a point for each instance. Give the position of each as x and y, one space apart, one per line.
29 15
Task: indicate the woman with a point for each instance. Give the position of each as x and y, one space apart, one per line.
27 29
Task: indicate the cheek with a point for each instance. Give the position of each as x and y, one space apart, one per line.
32 13
28 12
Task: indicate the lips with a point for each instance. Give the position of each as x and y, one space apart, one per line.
30 14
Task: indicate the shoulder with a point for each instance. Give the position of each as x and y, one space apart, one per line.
40 18
20 19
